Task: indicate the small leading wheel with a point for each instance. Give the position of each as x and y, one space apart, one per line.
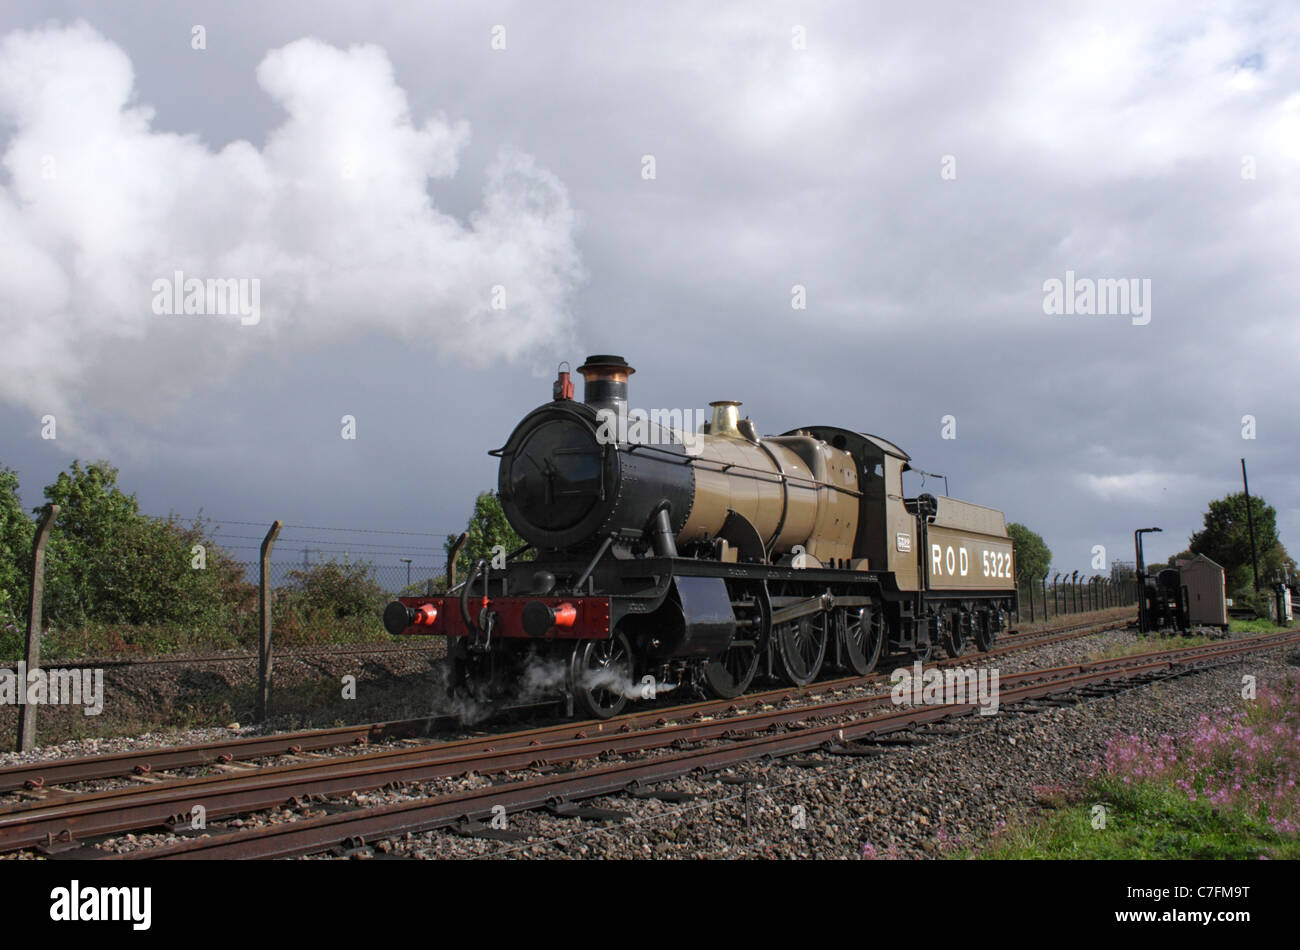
600 674
956 633
985 631
801 648
476 679
862 635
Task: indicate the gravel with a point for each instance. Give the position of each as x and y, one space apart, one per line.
908 802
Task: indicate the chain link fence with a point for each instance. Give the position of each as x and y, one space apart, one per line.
328 586
1047 599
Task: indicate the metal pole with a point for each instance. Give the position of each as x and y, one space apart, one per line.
1139 571
408 570
1139 582
1044 582
1250 523
264 659
27 711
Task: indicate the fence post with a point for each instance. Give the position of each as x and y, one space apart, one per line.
451 559
264 617
26 710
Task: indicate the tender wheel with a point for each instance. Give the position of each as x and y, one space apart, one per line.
923 653
600 674
985 631
955 634
862 635
801 648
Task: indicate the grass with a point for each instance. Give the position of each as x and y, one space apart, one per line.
1142 821
1148 644
1259 625
1229 788
289 631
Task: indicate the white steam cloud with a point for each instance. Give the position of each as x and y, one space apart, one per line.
331 217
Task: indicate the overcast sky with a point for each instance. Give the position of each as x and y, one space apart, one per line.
653 180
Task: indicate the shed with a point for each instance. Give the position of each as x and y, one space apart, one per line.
1206 601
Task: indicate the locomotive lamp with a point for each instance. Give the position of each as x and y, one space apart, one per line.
1141 576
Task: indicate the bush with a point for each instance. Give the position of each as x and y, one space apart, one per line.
330 602
1258 601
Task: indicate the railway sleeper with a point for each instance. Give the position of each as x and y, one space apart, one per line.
468 828
731 778
661 794
586 812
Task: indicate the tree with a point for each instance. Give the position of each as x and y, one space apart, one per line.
1033 556
1225 539
16 533
97 522
108 563
488 527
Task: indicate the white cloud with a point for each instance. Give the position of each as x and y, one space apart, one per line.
333 216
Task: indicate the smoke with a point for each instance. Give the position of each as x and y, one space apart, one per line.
330 222
616 681
542 679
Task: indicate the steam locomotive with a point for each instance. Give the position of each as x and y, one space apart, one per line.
665 558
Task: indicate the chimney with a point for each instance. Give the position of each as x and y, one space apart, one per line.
604 379
726 419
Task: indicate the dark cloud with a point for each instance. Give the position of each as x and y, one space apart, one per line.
1107 140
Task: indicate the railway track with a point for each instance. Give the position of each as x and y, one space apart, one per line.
41 776
657 751
833 727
